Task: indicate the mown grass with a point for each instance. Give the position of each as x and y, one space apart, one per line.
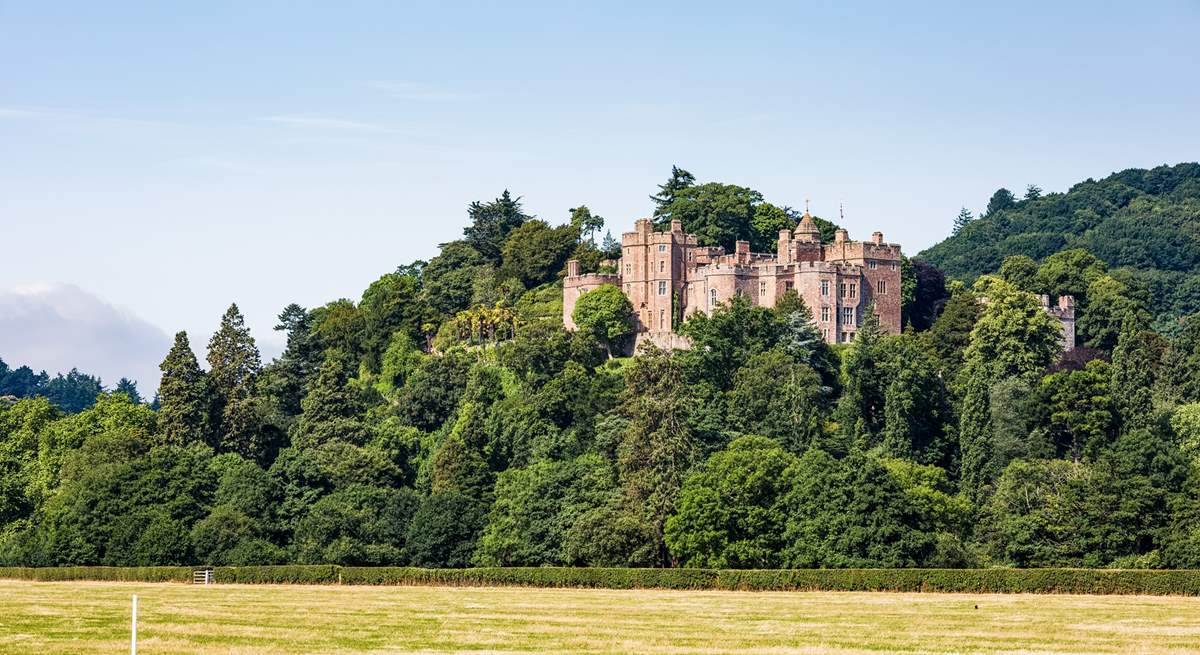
93 617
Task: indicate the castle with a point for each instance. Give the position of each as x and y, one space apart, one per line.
668 276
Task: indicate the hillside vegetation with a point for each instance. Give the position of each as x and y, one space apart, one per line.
1144 224
445 418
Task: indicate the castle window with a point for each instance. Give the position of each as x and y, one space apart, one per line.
824 287
628 268
712 298
847 316
825 333
662 266
789 285
662 247
842 289
872 264
762 288
882 285
825 313
894 266
853 289
662 288
662 319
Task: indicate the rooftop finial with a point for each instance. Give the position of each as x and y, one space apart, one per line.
841 212
806 206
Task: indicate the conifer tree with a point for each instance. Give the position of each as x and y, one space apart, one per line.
860 410
331 409
1133 366
129 388
679 180
233 368
975 436
963 219
182 398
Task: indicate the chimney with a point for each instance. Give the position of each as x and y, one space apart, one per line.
877 238
1066 302
742 249
572 268
784 247
677 226
841 235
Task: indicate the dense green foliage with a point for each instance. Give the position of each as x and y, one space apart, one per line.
1140 224
447 419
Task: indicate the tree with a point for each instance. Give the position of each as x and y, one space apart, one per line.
183 396
929 296
330 410
1108 302
916 407
585 222
951 332
604 312
723 340
732 511
961 221
535 253
1021 272
535 507
1080 409
129 388
1133 376
1013 336
300 359
357 526
718 214
1001 200
860 410
777 397
679 180
657 448
1032 192
610 247
850 513
447 281
73 392
443 531
390 304
491 224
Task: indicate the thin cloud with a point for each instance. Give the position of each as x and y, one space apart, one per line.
417 91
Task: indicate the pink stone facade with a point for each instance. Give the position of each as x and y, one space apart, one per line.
1064 311
668 276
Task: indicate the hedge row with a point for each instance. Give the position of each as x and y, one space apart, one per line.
1057 581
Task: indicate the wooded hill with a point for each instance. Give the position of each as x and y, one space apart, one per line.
1143 224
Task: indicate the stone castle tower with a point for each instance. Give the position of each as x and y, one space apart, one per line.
668 276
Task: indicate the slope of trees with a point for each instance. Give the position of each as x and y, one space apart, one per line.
447 419
1139 224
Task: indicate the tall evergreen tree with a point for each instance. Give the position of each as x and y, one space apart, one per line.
300 359
679 180
233 368
331 409
183 402
860 411
1133 367
963 219
129 388
491 222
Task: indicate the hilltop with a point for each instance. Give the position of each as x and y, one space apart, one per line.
1143 224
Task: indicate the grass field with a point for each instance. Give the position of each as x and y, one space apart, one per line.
93 617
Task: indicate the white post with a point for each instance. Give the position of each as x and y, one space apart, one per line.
133 632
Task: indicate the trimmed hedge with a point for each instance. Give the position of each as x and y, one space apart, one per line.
1038 581
101 573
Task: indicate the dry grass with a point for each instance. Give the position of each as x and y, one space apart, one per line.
85 617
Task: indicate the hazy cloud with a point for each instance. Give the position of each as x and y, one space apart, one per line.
59 326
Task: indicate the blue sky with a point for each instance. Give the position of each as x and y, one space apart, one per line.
169 158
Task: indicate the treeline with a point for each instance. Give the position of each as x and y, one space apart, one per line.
446 419
1140 223
73 392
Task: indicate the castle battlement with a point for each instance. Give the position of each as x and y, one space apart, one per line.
668 276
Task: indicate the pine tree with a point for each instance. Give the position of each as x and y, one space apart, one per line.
963 219
129 388
680 180
1133 367
610 247
331 409
234 365
182 397
1033 192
